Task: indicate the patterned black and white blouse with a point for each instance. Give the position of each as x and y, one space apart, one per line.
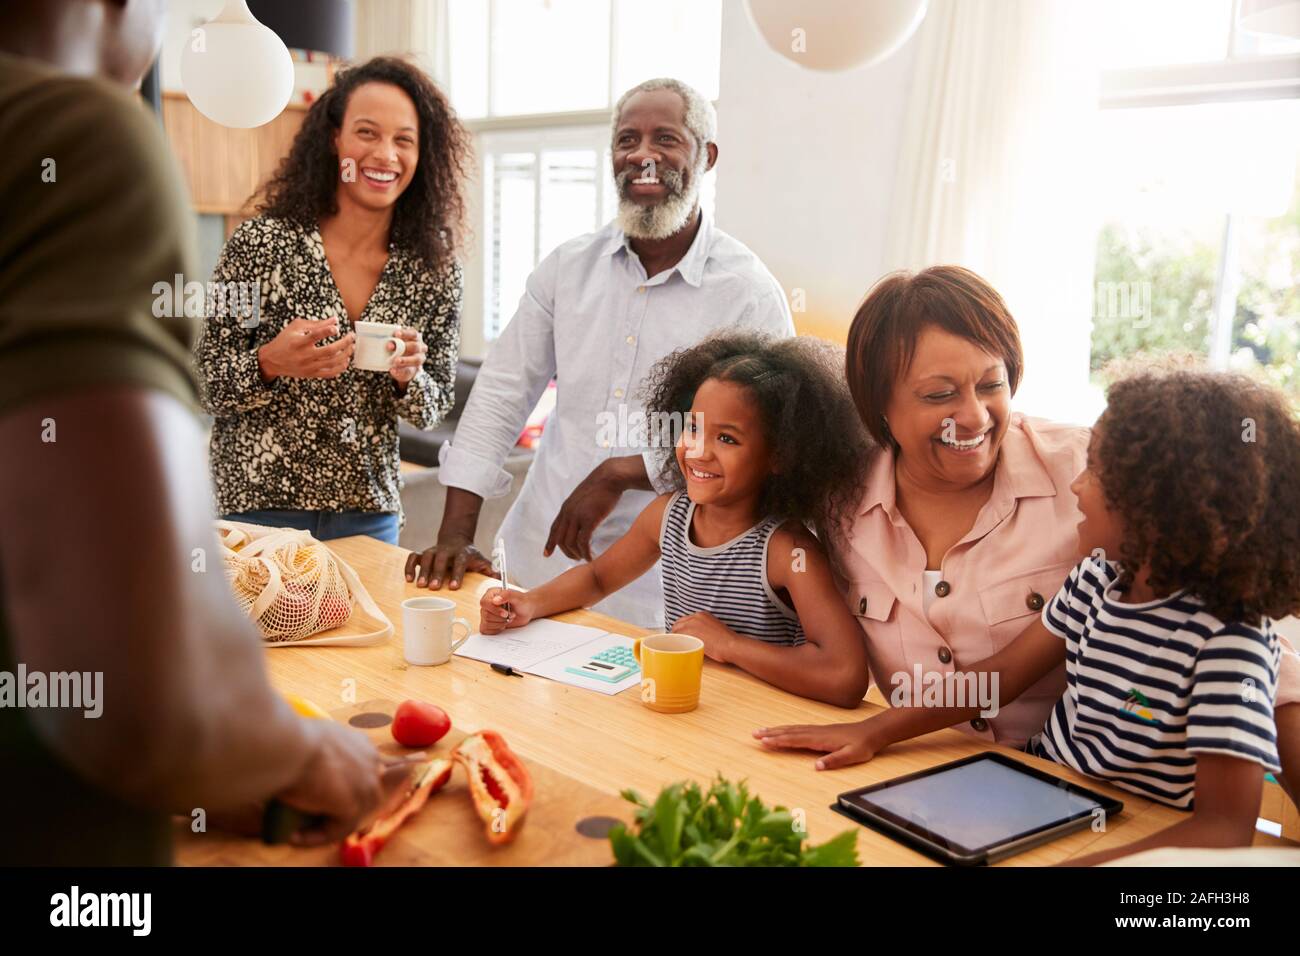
315 444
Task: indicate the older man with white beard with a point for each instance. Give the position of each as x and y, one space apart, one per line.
596 314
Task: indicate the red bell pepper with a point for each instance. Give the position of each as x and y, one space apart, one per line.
359 848
499 783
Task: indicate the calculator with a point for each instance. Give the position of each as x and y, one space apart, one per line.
611 665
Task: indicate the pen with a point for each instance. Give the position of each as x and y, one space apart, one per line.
499 558
507 670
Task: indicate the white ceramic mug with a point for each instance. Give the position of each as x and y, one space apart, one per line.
370 353
427 623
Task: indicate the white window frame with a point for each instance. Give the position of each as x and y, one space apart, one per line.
534 133
513 120
1236 78
530 132
537 141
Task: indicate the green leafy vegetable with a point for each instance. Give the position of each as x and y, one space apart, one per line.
725 826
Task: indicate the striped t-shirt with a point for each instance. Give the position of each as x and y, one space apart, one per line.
1149 686
729 580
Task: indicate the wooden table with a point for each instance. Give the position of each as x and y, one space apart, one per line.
611 743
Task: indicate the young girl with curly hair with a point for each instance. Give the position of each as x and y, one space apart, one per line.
769 445
1191 527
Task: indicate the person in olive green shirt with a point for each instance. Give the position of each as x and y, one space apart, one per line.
104 492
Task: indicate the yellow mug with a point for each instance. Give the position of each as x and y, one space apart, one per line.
671 666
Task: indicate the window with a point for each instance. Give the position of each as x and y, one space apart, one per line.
1199 247
542 187
525 57
536 80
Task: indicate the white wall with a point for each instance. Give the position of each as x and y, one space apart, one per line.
806 168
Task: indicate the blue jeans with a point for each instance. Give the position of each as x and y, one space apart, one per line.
325 525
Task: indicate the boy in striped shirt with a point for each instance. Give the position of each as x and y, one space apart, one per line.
1152 686
1191 524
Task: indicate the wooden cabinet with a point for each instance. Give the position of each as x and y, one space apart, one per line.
224 167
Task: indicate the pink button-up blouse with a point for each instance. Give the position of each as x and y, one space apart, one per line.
994 580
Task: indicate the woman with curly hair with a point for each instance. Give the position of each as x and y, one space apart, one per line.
1191 531
361 223
766 444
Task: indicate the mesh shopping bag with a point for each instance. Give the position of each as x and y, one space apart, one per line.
293 587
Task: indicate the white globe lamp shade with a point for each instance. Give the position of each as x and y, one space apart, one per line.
1270 17
236 71
833 35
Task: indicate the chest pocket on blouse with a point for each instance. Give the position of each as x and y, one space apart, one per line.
872 603
1010 605
870 600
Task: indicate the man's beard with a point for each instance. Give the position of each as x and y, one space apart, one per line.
666 217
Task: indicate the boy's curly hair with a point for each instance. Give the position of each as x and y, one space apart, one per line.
798 384
1203 471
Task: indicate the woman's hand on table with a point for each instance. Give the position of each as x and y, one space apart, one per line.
717 637
495 617
406 366
295 352
843 744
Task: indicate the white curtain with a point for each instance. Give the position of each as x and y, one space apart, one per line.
402 27
994 175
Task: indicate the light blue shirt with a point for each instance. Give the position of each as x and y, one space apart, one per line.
591 318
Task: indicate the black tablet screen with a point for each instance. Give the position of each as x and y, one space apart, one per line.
977 804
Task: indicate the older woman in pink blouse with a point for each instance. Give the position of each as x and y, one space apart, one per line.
967 522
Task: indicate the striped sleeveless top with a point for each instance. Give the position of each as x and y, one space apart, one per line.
729 581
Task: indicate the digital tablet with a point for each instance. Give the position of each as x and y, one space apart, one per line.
976 810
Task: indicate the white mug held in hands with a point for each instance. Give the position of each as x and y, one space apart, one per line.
427 623
371 352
